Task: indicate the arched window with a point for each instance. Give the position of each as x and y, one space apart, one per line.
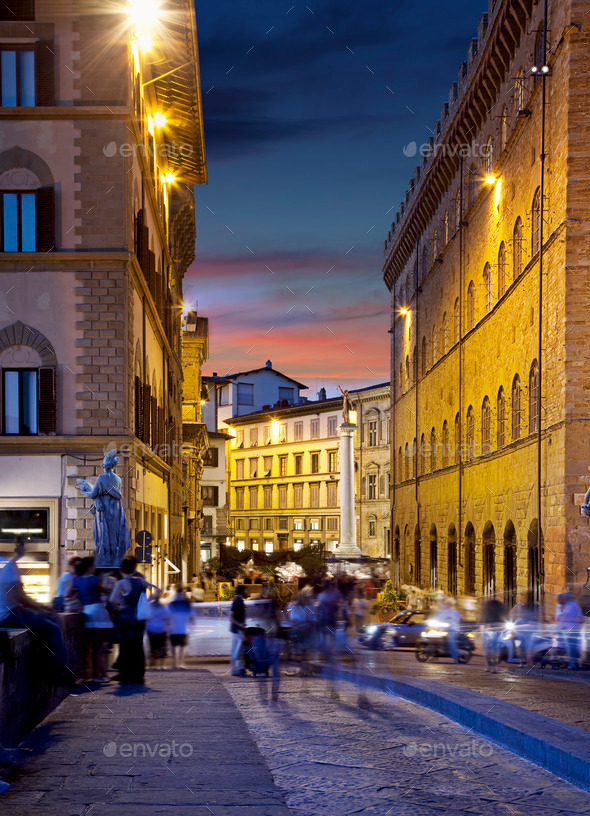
487 283
445 443
457 322
400 465
445 334
534 398
517 249
501 270
432 450
425 262
471 186
536 222
27 377
422 456
470 433
539 54
501 418
503 129
457 209
471 305
414 458
433 345
434 246
424 360
407 462
457 439
488 158
408 372
400 382
519 92
445 228
516 394
486 418
27 197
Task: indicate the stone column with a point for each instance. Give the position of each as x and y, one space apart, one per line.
348 545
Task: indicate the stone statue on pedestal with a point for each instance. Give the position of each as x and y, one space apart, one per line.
345 405
111 533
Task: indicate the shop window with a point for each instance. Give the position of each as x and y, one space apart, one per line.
210 495
32 524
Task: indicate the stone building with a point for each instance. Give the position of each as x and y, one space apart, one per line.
372 468
102 140
488 271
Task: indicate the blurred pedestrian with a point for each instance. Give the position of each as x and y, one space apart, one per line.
125 597
64 584
449 617
157 627
492 618
19 611
98 626
360 606
237 624
181 614
198 592
569 619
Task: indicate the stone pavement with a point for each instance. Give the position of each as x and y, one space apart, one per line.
178 746
333 758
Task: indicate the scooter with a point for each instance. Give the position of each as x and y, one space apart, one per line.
434 642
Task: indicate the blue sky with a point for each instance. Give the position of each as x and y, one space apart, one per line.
307 110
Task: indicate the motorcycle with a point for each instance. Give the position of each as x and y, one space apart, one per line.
434 642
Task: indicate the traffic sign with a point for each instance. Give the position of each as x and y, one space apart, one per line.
143 552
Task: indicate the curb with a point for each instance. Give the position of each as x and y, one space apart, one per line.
559 748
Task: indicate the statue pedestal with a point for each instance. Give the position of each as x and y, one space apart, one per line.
348 546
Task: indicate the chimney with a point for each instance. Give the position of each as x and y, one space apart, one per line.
322 394
268 364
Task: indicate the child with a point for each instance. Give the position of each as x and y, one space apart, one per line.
157 627
181 614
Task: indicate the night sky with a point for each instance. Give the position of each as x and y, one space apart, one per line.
307 111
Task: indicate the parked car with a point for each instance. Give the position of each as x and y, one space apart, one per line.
402 630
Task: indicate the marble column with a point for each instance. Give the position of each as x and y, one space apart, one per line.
348 545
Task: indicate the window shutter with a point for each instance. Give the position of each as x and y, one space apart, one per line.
155 436
138 234
47 402
151 277
147 404
45 72
138 408
46 219
144 255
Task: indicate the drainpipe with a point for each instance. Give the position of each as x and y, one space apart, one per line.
460 542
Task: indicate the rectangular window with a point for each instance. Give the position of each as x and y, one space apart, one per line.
314 495
211 457
253 437
297 544
298 464
268 545
253 498
299 524
17 77
315 524
253 468
19 221
241 544
298 431
372 432
332 494
267 465
240 524
332 461
282 465
315 463
254 524
254 545
32 523
239 468
239 498
283 496
298 495
207 528
372 486
267 490
333 426
267 434
210 495
287 394
332 524
268 524
245 394
240 439
224 395
315 429
372 528
20 401
282 432
283 524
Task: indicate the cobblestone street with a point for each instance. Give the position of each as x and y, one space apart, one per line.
331 758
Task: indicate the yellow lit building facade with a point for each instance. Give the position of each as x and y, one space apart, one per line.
487 267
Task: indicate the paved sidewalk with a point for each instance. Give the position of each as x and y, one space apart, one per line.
178 746
333 758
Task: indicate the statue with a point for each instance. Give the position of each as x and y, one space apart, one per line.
345 405
111 533
585 508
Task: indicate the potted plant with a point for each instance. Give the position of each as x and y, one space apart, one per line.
389 602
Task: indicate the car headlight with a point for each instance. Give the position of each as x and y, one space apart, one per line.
509 627
371 629
436 633
471 635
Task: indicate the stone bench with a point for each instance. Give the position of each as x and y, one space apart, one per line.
26 697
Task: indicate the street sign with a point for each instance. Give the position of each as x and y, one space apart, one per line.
143 552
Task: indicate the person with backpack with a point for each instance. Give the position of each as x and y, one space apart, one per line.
125 597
